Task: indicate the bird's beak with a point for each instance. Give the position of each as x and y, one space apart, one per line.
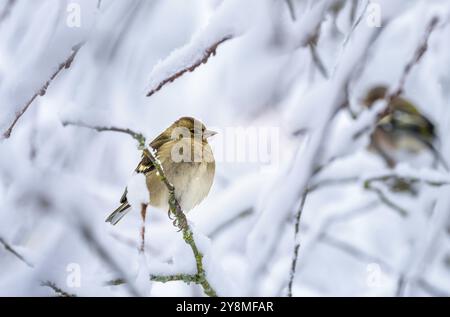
208 134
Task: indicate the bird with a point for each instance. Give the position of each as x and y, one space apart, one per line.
188 164
400 129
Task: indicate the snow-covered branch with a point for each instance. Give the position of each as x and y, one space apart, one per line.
14 252
58 291
43 90
171 68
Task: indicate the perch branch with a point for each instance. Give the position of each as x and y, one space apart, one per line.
187 278
42 91
10 249
209 51
174 206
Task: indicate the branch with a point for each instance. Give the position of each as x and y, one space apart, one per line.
174 206
418 54
59 292
187 278
10 249
208 52
407 179
297 243
182 223
317 60
139 137
403 212
291 9
42 91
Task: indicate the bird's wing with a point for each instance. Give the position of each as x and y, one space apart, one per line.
145 165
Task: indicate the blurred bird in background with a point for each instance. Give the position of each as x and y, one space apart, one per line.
401 130
188 163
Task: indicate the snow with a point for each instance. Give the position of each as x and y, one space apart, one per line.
137 192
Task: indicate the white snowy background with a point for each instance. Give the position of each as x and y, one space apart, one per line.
58 183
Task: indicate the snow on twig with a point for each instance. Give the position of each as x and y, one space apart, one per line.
159 81
11 250
43 90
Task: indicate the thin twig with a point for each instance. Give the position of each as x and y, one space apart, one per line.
139 137
291 9
402 211
59 292
10 249
42 91
418 54
210 51
407 179
318 60
174 206
297 242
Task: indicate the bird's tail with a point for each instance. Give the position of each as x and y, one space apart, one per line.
118 214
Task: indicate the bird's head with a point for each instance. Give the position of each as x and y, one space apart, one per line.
375 94
188 126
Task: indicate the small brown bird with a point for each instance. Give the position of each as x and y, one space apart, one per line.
188 163
401 129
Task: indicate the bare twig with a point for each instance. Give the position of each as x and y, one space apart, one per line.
210 51
174 206
42 91
408 179
139 137
418 54
403 212
318 60
291 9
10 249
59 292
297 242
